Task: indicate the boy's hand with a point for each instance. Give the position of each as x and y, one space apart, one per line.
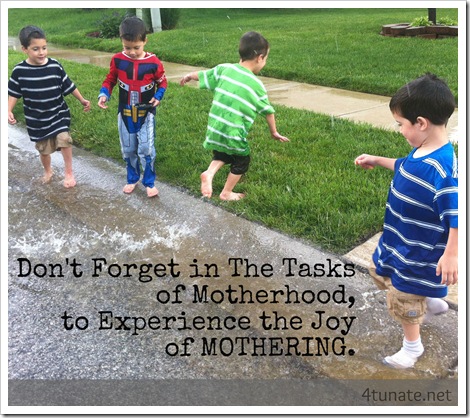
186 79
11 118
86 105
154 102
189 77
102 102
365 161
279 137
448 267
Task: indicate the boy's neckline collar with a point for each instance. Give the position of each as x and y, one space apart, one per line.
145 55
37 65
420 157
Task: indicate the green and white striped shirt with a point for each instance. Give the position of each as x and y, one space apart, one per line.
239 96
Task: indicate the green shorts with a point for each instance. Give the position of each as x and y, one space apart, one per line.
403 307
54 143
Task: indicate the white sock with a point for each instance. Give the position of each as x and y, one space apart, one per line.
436 306
413 348
407 356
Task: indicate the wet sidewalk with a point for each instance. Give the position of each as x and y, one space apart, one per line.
355 106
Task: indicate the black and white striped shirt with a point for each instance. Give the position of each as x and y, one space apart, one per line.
43 89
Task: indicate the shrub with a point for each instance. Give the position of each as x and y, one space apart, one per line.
169 18
421 21
108 25
447 21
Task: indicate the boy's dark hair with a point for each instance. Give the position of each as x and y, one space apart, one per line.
428 96
30 32
133 29
252 44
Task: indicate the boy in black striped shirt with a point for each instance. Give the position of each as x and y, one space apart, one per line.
43 83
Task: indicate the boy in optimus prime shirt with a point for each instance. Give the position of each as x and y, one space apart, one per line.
142 84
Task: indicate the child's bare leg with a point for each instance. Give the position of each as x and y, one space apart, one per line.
46 163
411 331
208 175
227 193
69 180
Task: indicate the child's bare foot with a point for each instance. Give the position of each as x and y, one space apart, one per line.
232 196
129 188
206 185
47 177
69 182
152 191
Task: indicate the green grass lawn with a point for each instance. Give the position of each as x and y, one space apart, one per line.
308 188
330 47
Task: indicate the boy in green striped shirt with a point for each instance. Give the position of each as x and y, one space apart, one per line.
239 96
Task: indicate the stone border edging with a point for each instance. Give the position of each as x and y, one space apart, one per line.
429 32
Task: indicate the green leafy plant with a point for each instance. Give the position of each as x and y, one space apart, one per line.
169 18
108 25
421 21
447 21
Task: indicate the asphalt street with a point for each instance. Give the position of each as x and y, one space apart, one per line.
105 286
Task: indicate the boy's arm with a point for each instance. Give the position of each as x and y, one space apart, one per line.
370 161
11 105
85 103
108 84
162 85
272 128
188 77
448 263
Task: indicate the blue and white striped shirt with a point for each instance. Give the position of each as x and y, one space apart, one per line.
43 89
422 205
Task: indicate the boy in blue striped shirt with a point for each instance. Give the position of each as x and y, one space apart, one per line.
43 83
416 258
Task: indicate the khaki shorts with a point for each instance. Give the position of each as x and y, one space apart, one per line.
403 307
54 143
